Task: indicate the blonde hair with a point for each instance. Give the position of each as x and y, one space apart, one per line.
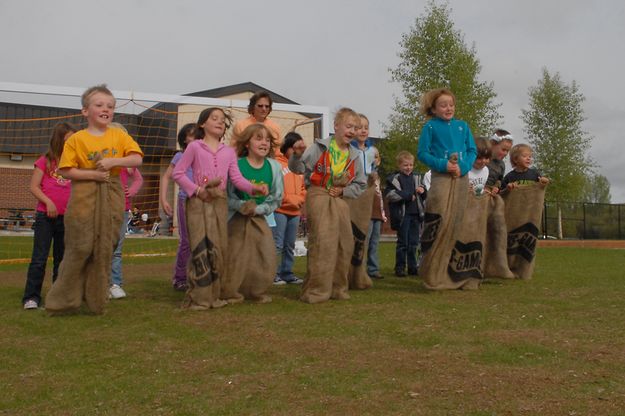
484 147
428 100
250 131
344 113
404 155
516 151
117 125
86 96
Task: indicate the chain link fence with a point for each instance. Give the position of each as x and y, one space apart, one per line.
584 220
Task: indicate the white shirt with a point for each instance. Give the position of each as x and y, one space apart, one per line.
477 179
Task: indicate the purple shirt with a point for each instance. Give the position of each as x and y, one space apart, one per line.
207 165
54 186
189 173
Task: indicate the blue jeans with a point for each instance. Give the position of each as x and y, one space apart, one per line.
116 264
46 231
284 236
373 236
407 243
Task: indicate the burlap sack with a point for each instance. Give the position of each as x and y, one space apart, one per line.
495 252
92 223
523 211
208 239
444 214
330 247
252 260
360 214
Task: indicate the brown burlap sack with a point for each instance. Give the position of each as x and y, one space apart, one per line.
330 247
92 222
360 214
444 214
495 263
252 260
208 239
523 211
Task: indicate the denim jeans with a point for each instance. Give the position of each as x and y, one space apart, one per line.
116 264
184 249
373 236
284 236
47 230
407 242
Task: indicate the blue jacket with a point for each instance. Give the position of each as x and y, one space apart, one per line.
367 156
440 139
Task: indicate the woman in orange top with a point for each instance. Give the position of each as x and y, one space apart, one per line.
287 216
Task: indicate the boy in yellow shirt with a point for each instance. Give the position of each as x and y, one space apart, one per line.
92 159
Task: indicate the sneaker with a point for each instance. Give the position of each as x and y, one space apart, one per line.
278 282
413 272
31 304
180 286
376 275
400 273
116 292
295 281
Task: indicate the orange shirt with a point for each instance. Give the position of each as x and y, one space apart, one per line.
246 122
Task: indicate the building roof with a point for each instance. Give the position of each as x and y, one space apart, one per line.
238 89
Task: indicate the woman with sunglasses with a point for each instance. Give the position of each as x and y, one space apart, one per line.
259 109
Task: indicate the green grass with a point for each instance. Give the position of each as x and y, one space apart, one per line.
552 346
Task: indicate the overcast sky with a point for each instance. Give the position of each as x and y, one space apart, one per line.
326 52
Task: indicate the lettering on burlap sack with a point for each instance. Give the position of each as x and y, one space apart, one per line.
431 226
465 261
522 241
203 260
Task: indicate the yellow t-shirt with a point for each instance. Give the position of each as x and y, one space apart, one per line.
81 149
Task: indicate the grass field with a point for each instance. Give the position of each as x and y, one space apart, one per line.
554 345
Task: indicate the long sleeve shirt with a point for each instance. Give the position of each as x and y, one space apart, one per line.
208 165
440 139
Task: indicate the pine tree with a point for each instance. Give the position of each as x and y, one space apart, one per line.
433 55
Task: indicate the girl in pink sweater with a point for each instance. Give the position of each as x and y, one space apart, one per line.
212 163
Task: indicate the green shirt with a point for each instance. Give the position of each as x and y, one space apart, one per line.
258 176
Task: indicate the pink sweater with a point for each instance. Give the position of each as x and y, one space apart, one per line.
207 165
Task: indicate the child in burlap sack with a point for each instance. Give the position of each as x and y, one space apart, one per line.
501 142
213 163
92 159
252 259
331 173
446 145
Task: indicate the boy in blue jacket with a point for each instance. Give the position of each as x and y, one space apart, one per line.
405 194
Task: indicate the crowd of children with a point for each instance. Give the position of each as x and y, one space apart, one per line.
239 205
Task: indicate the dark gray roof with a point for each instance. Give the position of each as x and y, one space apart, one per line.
238 89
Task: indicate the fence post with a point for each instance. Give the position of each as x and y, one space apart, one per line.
545 233
619 220
584 221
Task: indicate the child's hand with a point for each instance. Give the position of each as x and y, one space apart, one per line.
167 208
420 189
101 175
511 186
262 189
543 180
336 191
51 210
106 163
248 208
453 169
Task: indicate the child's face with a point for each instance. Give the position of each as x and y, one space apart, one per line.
363 132
524 160
215 125
260 144
377 159
444 107
261 109
190 137
406 166
100 110
501 150
345 130
480 162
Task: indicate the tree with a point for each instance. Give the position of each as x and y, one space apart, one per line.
433 55
597 190
553 125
